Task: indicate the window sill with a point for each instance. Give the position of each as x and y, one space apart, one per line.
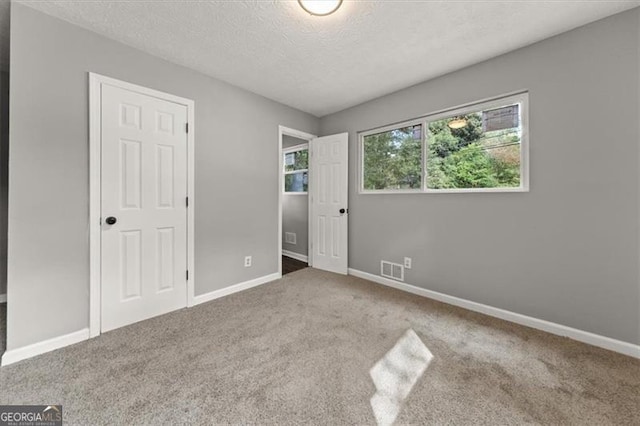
445 191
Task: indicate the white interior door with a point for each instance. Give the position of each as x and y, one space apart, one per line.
329 202
144 190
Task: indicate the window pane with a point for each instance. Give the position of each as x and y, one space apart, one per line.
476 150
298 160
392 160
296 182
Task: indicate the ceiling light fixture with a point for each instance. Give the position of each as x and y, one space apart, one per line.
320 7
458 123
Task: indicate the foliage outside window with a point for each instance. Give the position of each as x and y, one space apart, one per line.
296 170
481 147
393 159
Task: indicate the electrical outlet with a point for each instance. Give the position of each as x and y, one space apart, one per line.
407 262
247 261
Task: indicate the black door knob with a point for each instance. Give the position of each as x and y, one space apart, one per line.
111 220
342 211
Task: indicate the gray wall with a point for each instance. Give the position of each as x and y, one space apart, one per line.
4 176
567 251
295 218
236 171
289 141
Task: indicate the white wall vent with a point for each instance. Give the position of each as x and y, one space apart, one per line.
395 271
290 237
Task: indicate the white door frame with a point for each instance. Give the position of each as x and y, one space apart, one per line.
282 131
96 81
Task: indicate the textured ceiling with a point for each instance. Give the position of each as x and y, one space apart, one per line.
325 64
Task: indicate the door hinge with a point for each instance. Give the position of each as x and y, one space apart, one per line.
186 126
187 201
187 275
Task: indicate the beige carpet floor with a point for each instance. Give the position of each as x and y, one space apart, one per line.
300 351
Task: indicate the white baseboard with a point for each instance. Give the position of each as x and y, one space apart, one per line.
15 355
297 256
3 298
561 330
207 297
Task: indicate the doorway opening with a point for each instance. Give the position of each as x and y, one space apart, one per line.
314 171
4 203
294 168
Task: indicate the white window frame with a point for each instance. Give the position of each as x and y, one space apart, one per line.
292 149
521 98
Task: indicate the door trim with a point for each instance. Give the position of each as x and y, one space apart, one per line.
96 81
282 130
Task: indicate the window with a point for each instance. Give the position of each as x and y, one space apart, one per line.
296 169
476 148
393 159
